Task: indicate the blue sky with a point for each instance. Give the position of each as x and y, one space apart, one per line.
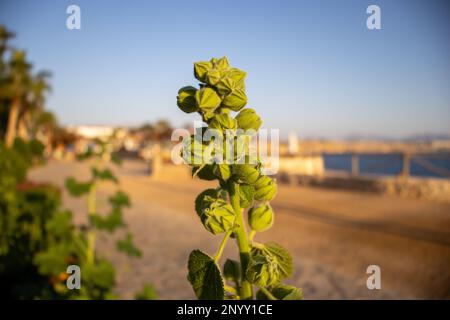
313 66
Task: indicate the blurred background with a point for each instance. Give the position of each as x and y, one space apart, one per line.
363 116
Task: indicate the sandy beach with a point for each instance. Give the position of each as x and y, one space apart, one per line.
333 236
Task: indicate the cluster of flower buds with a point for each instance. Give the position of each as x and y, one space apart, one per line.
222 90
242 185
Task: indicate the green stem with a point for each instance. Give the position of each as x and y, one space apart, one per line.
242 241
268 294
231 290
222 245
92 208
251 235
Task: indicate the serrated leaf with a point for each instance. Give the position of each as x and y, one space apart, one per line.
282 292
204 276
287 292
204 172
119 199
104 174
108 223
127 246
284 258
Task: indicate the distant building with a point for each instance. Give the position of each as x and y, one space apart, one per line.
92 132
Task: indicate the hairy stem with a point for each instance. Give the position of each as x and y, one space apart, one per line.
231 290
222 245
242 241
251 235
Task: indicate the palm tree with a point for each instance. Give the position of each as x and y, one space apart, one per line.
16 89
5 36
33 105
48 127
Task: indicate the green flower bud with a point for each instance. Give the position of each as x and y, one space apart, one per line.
206 198
207 100
225 86
233 79
186 99
200 70
223 121
213 77
237 75
236 100
246 173
222 63
260 218
218 217
248 119
194 151
262 270
266 188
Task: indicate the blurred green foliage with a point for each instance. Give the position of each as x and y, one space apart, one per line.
38 239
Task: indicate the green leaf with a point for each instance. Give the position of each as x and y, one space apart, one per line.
77 189
119 199
60 225
282 292
105 174
147 293
116 159
232 271
246 194
269 263
127 246
204 172
108 223
85 155
283 257
262 269
204 276
287 292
